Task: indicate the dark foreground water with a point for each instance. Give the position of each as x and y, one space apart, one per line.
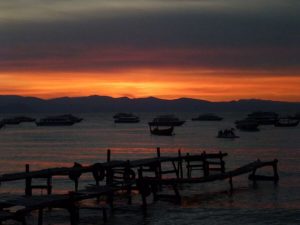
86 142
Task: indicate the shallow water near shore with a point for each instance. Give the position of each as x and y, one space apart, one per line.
87 142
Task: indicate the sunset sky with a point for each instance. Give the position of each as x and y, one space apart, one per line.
216 50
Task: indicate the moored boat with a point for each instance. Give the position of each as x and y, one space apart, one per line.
207 117
118 115
166 120
71 118
126 118
17 120
161 132
54 121
286 122
263 118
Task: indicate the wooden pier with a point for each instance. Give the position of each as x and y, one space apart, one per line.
148 176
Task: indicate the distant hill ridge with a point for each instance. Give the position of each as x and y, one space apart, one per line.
20 104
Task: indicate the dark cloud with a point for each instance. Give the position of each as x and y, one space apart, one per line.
262 38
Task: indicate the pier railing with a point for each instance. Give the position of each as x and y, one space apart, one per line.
147 175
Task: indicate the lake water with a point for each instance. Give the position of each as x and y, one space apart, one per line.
87 142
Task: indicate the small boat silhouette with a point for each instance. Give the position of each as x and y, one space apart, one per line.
162 132
126 118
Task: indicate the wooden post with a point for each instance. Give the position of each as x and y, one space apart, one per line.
28 180
158 152
143 195
109 180
275 171
108 155
74 214
49 185
127 182
176 169
108 170
222 162
180 164
159 175
205 165
189 172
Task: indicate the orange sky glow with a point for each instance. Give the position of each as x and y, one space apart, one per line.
167 84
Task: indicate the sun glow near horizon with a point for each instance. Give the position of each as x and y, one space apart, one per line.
167 84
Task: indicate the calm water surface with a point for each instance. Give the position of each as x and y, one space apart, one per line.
87 142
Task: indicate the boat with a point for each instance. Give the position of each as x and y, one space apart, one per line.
55 121
286 122
161 132
247 125
166 120
227 133
264 118
130 118
118 115
207 117
17 120
71 117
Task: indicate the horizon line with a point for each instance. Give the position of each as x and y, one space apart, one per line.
133 98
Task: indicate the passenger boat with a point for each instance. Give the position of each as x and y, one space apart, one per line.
207 117
54 121
286 122
166 120
130 118
161 132
264 118
247 125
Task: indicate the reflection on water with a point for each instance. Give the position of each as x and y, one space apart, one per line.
87 142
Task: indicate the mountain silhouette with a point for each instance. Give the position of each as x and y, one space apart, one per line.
19 104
